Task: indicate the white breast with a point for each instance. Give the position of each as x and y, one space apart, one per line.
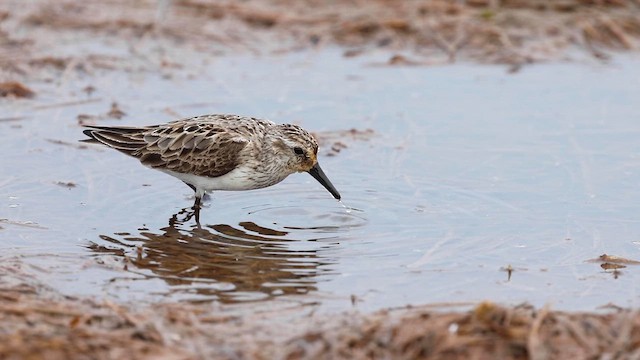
241 178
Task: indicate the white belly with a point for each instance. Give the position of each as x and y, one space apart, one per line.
237 179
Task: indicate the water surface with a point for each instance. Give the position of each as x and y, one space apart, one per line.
471 171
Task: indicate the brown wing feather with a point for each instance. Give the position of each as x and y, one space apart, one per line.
205 146
204 153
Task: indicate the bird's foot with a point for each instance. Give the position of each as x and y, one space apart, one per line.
183 216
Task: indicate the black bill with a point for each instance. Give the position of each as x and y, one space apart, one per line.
319 175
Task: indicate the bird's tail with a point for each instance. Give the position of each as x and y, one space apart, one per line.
125 139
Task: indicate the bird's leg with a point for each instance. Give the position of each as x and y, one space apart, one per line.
196 209
191 186
197 203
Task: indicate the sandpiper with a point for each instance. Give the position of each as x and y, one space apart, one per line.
219 152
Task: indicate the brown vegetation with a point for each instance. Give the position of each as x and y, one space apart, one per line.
513 32
36 322
15 89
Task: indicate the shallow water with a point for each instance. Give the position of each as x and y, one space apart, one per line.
471 171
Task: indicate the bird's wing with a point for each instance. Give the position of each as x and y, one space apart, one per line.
201 148
198 149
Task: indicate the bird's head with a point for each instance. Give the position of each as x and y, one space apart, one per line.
299 150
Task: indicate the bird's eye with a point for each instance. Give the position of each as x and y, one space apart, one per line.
298 151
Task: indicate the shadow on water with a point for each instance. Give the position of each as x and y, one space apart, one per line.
226 263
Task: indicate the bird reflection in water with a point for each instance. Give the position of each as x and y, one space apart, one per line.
221 262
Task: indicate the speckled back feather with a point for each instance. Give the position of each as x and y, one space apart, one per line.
206 145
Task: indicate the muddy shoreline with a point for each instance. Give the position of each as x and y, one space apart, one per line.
38 49
37 322
34 37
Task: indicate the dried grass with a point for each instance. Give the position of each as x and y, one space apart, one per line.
36 322
513 32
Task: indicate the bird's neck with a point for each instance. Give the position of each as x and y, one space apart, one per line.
270 155
271 145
